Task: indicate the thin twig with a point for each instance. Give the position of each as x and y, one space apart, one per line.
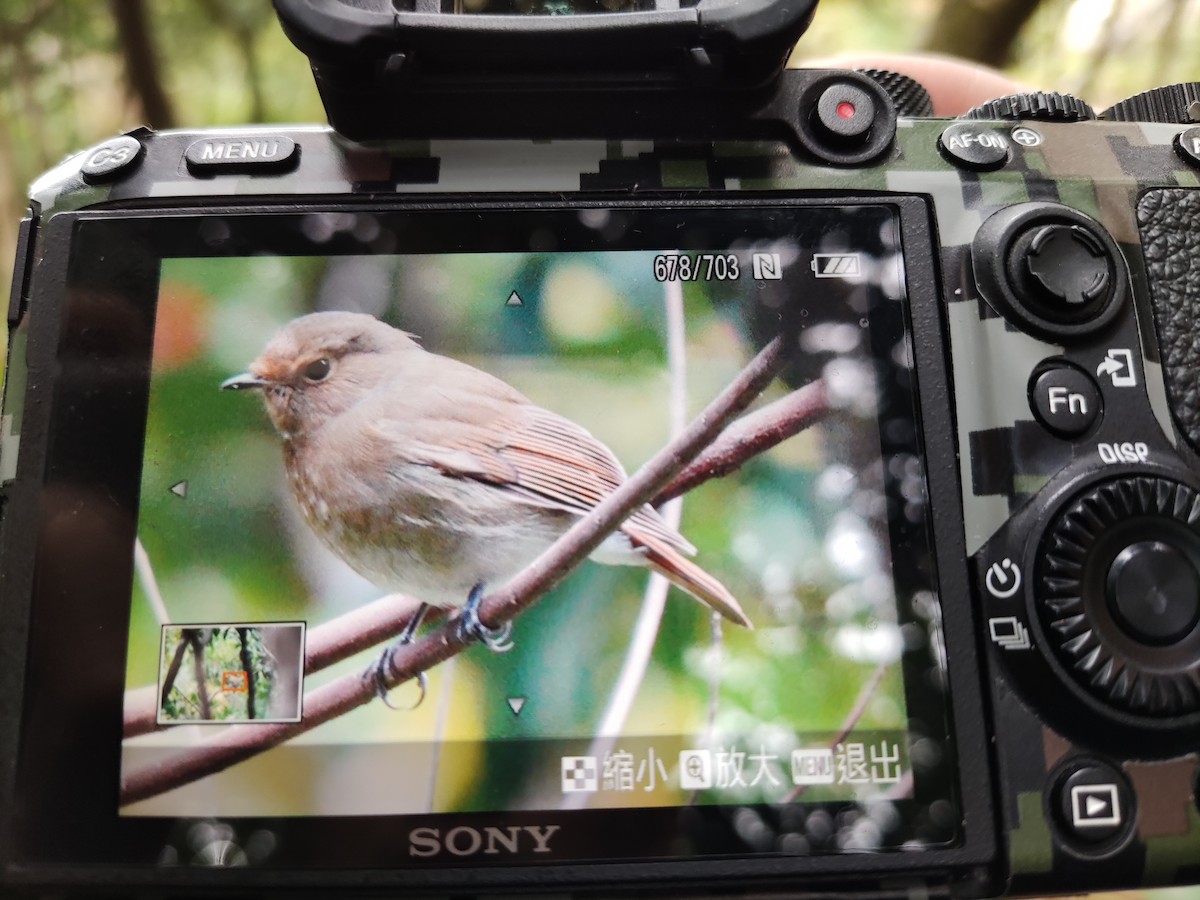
240 742
446 674
715 650
751 435
145 573
856 711
654 599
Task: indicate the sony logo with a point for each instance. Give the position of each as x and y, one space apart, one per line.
467 841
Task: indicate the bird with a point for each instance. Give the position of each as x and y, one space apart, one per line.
433 478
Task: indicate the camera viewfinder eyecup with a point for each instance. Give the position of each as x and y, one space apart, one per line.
698 70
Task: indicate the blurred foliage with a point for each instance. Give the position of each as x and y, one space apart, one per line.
228 683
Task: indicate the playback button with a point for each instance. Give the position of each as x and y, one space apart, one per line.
1094 805
1064 399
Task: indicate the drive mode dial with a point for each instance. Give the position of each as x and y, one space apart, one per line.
1118 593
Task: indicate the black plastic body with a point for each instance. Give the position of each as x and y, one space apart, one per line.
386 73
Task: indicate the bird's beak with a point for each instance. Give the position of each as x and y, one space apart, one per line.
247 381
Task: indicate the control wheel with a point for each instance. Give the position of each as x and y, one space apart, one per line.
1118 593
1177 104
1038 106
909 96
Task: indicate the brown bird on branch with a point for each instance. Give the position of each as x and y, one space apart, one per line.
433 478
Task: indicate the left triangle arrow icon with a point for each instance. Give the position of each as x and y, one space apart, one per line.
179 489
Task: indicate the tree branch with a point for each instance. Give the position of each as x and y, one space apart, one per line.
141 61
751 435
856 711
983 32
240 742
644 635
383 619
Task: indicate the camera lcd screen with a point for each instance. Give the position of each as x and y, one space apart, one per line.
489 360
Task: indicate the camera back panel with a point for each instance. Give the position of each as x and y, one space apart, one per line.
1048 272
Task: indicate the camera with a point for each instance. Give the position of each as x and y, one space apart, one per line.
606 462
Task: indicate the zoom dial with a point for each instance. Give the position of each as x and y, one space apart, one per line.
1118 593
1173 103
1038 106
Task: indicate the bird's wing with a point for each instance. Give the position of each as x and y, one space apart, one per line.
562 462
542 457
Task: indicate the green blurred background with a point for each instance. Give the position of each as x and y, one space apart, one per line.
73 72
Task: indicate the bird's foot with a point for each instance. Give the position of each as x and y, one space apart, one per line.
470 628
381 670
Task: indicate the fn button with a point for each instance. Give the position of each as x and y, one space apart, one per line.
1064 399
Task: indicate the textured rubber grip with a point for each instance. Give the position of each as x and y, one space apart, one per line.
1169 221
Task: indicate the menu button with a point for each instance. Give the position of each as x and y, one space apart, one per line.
253 154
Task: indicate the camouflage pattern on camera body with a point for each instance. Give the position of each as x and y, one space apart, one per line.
1102 175
1005 456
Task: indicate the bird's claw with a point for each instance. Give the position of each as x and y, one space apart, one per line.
378 673
422 683
471 628
495 639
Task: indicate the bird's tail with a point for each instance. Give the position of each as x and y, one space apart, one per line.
685 574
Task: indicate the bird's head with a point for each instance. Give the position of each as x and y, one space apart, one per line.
320 365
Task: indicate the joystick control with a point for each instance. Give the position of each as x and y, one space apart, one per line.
1119 594
1050 269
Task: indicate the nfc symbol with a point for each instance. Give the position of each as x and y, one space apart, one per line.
766 266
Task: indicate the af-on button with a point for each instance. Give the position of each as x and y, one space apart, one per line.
256 154
971 145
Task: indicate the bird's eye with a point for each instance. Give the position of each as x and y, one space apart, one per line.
317 369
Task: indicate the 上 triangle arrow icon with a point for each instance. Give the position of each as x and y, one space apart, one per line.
514 299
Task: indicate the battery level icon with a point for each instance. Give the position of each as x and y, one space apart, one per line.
836 265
